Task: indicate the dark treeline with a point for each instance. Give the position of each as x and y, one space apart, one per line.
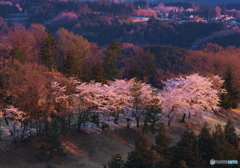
191 151
154 32
228 40
50 9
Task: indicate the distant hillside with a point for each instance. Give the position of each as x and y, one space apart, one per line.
210 2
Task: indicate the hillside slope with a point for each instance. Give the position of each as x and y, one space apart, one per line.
93 150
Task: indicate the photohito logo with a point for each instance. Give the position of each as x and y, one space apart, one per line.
213 162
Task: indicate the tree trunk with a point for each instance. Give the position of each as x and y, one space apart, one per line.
128 123
11 132
137 118
40 127
116 120
169 121
37 128
183 118
189 115
97 120
14 134
46 128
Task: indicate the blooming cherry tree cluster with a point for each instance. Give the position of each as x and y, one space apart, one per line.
100 102
127 98
192 94
120 100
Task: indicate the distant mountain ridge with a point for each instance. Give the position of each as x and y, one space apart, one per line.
210 2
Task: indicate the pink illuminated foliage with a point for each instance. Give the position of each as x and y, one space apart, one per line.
192 94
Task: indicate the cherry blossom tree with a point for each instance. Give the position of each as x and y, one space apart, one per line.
62 105
56 104
192 94
143 96
98 104
125 98
91 97
131 97
16 127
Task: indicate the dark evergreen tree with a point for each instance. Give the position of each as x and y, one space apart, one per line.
187 151
116 162
142 156
98 74
231 99
48 51
151 120
86 74
162 141
70 66
110 60
136 92
162 146
135 70
205 142
16 55
149 68
52 144
230 133
142 66
222 149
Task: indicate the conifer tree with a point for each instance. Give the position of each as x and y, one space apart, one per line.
222 149
70 68
231 99
162 146
205 142
98 74
86 74
151 121
162 141
48 51
230 133
135 70
149 68
52 144
187 150
136 91
110 60
15 54
142 156
116 162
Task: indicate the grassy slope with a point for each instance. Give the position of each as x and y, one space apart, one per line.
92 150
